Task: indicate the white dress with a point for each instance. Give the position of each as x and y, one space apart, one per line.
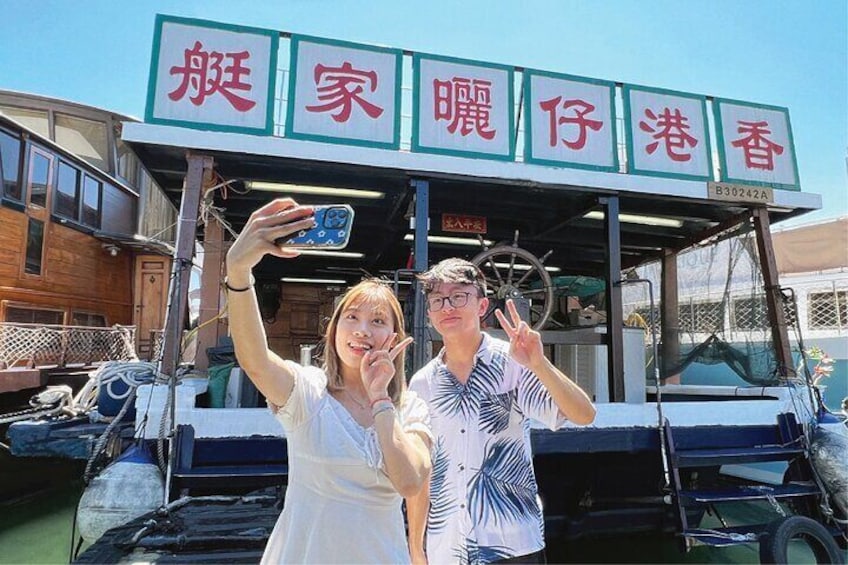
340 506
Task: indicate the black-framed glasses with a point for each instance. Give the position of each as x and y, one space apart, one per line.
456 300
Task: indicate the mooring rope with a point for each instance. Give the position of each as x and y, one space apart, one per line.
132 374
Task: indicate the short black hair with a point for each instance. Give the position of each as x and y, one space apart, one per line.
453 271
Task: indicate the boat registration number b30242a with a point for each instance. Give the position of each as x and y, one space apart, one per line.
739 193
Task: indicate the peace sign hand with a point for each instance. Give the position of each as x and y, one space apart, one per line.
525 344
378 367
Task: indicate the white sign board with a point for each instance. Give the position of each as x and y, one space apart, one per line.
755 144
570 121
344 92
667 133
462 108
212 76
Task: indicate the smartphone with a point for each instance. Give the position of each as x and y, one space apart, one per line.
332 229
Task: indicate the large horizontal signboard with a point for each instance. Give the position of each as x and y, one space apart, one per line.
570 121
462 108
216 76
344 92
212 76
755 144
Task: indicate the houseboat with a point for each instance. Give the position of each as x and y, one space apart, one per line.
566 227
85 246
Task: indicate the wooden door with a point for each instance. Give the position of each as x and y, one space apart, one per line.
150 300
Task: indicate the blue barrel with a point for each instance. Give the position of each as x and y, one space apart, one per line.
111 398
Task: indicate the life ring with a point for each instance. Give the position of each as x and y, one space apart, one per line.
774 541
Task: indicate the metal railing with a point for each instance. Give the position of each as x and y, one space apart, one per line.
37 345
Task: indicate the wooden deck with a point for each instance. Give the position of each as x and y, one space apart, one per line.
20 378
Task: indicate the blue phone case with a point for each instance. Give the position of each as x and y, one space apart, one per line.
332 230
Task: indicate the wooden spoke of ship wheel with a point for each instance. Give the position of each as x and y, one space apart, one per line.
512 272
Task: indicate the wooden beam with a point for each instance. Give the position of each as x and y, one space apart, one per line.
727 224
581 207
669 315
210 329
199 169
774 298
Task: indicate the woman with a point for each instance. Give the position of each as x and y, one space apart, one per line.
357 441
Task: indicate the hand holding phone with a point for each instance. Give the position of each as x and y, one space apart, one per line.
333 223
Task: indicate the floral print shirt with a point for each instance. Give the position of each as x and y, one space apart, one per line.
484 504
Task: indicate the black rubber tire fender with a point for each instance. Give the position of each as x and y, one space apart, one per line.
774 541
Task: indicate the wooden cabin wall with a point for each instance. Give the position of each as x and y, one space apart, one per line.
160 216
119 211
79 274
301 318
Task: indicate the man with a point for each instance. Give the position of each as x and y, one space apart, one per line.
482 499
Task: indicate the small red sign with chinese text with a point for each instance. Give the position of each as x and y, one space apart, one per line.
463 224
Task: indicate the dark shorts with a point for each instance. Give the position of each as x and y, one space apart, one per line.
537 557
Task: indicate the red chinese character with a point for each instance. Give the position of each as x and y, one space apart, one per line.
759 150
581 108
466 103
341 87
203 73
671 130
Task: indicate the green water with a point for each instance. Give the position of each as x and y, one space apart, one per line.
38 499
655 548
39 530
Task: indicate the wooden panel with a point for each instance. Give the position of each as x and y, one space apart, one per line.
304 318
160 216
11 244
78 272
114 313
301 319
77 263
118 215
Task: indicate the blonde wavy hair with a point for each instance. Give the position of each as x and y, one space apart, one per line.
375 293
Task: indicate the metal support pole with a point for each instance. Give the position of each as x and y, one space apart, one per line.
420 329
615 318
652 322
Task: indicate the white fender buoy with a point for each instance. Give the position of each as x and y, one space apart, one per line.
126 489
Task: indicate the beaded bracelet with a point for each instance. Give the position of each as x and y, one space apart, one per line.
380 403
383 408
381 399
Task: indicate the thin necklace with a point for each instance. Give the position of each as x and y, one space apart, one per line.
355 401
